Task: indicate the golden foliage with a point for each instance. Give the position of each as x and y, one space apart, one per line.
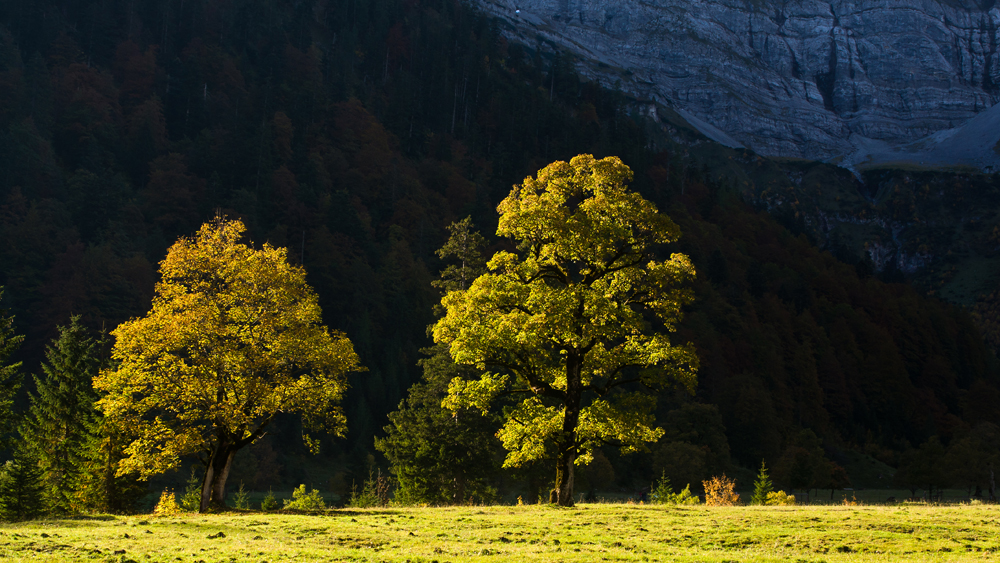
567 313
721 491
167 505
234 337
780 498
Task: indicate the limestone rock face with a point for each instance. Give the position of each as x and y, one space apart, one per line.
797 78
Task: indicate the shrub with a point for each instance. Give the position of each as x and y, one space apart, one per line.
167 506
269 502
663 493
779 498
685 497
721 491
302 500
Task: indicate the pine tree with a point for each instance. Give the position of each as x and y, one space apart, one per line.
762 487
21 488
62 426
10 377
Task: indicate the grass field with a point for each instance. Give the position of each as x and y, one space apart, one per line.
589 532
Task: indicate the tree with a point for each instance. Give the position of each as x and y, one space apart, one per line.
923 467
971 457
580 311
10 378
234 338
762 486
21 488
439 456
62 424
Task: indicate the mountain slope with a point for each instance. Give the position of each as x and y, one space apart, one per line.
794 79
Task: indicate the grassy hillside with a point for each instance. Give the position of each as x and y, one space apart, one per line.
525 533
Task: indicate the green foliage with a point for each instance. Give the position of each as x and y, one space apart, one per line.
192 493
305 500
661 490
269 503
439 456
10 377
21 488
374 492
663 493
62 426
241 500
762 487
564 317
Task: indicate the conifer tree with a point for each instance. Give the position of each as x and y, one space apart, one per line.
762 487
10 377
21 488
440 457
62 425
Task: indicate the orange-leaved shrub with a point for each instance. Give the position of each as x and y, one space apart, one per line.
721 491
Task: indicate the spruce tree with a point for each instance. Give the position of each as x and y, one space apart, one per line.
762 487
10 376
439 457
61 429
21 488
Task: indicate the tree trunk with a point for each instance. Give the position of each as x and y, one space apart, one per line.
563 492
213 488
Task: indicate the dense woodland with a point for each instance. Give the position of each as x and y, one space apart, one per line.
354 133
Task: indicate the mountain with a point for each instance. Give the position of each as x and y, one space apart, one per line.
810 79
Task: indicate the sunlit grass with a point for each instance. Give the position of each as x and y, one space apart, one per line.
589 532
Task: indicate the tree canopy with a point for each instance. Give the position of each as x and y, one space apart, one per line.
234 338
10 376
578 311
62 427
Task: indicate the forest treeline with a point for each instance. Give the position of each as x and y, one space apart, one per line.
353 133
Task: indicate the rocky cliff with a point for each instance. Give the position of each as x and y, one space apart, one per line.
791 78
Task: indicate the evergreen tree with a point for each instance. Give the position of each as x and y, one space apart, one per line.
762 487
61 428
21 488
437 456
10 377
100 489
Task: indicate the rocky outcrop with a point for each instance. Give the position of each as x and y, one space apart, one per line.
792 78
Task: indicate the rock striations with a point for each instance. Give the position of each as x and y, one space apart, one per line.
791 78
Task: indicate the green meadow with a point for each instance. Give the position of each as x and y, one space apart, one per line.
588 532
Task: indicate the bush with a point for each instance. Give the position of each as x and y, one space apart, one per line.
269 502
302 500
663 493
684 497
167 506
779 498
721 491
